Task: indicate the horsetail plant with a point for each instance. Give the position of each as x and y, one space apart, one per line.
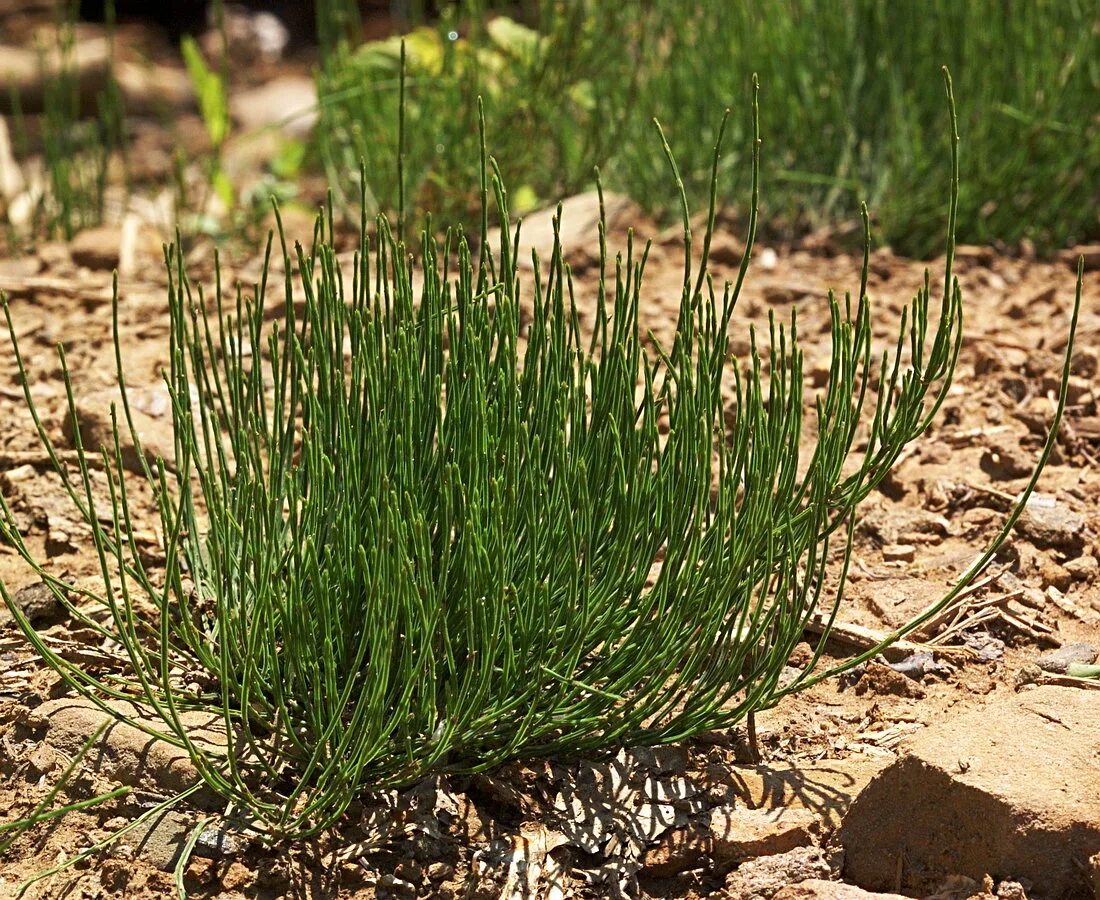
428 523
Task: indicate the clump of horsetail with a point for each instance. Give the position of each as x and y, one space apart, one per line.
425 522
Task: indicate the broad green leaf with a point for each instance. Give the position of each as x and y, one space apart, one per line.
209 90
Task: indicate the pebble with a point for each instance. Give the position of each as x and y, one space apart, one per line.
899 553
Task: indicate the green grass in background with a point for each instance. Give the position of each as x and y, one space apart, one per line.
853 108
852 111
558 94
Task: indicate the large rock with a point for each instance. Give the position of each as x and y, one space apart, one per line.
1011 790
124 753
579 229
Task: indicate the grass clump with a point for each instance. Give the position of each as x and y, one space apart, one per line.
76 150
408 533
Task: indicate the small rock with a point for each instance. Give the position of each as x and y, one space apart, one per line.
725 249
896 524
740 833
289 102
398 885
768 258
66 534
735 833
818 889
1091 253
1006 463
1027 674
20 267
917 665
667 759
801 655
989 648
43 760
974 254
899 553
1053 574
97 248
237 877
761 879
1053 526
159 840
1059 661
785 293
1086 362
1011 890
437 871
678 851
38 603
579 230
1083 568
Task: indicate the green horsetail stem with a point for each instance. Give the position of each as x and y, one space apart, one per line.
406 532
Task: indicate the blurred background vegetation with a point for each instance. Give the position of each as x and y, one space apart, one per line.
852 109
